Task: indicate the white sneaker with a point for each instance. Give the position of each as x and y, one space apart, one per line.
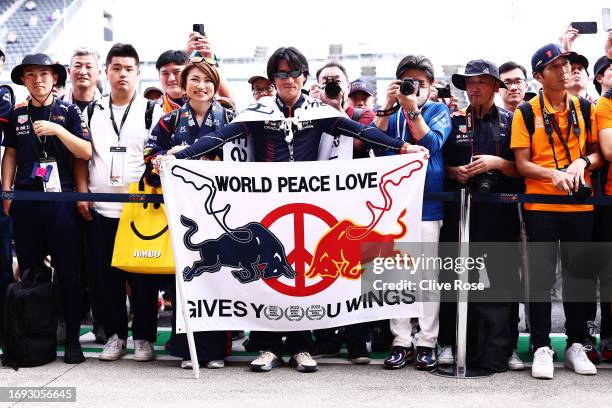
543 363
186 365
446 356
213 364
266 362
577 360
114 349
515 363
143 350
304 363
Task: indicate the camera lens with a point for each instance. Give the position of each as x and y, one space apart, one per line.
407 87
332 90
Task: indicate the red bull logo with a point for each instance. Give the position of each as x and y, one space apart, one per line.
337 254
346 247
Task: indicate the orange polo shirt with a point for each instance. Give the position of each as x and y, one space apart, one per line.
541 152
603 112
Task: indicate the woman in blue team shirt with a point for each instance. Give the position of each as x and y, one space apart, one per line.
175 131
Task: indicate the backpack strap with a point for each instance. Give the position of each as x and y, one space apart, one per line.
585 108
90 111
149 114
529 119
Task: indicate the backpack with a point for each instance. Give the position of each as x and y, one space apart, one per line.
148 113
30 320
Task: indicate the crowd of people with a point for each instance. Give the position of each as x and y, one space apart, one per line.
554 141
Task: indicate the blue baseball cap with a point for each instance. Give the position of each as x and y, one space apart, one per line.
548 54
361 85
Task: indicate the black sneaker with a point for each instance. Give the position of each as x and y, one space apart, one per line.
426 358
358 353
73 354
400 357
325 350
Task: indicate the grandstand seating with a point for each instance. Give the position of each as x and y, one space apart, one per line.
27 37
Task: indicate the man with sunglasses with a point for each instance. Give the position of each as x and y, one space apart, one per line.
287 68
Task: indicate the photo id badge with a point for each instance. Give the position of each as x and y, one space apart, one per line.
117 166
51 178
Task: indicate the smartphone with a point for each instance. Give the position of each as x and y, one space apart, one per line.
605 17
585 27
199 28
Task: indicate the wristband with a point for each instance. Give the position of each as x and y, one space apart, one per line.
588 162
388 112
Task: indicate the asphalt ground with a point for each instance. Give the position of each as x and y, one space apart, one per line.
161 383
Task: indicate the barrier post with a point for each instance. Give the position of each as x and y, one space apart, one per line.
462 294
460 369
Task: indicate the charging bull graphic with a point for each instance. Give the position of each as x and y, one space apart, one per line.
252 249
344 248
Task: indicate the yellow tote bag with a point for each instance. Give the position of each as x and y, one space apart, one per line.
142 243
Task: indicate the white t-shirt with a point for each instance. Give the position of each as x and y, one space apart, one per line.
133 137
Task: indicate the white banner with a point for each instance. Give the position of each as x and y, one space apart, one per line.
279 246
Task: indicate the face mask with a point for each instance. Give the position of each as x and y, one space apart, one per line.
423 96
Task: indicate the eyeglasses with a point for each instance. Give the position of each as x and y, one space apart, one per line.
517 82
267 89
284 75
199 58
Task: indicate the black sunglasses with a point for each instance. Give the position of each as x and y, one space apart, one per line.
293 74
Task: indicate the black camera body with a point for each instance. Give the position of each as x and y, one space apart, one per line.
584 190
485 183
409 86
332 88
444 92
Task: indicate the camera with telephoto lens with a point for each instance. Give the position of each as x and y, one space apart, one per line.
331 87
584 190
409 86
486 182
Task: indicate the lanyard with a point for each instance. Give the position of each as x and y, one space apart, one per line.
550 125
471 130
42 140
125 114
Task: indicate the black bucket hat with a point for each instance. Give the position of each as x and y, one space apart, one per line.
476 68
39 60
601 65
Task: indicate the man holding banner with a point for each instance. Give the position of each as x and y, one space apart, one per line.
294 128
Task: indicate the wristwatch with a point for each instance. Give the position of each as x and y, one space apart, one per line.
412 115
